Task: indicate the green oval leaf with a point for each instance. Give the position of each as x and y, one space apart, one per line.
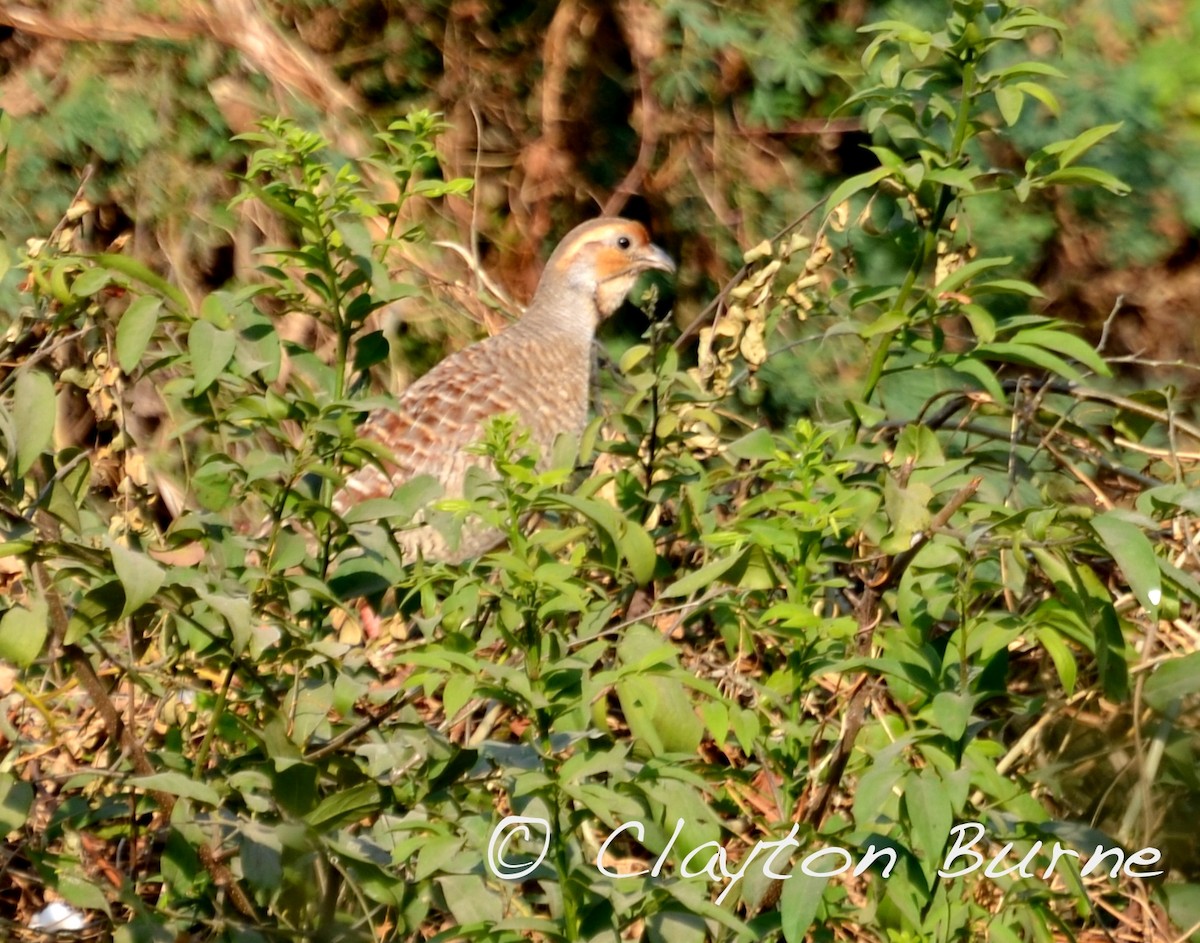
33 417
952 713
16 799
177 784
1134 554
703 577
1070 151
637 546
23 632
127 265
930 815
139 575
134 331
856 183
211 349
1010 99
798 904
1172 680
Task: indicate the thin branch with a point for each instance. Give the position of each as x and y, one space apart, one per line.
1108 323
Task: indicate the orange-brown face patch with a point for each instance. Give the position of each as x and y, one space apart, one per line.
610 262
604 236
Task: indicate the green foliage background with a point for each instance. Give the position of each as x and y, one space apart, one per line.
871 544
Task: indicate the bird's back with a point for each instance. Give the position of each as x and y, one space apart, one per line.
542 380
538 370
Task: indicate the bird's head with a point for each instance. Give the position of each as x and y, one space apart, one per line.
602 259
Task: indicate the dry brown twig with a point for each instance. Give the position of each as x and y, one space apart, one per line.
238 24
641 25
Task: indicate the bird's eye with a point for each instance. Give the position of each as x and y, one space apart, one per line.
624 242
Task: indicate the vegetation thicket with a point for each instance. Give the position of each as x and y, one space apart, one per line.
872 548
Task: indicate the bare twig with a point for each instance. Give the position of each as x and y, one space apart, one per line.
1108 323
632 19
238 24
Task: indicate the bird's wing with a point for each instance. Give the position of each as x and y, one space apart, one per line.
432 424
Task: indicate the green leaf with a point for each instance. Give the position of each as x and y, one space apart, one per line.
14 548
637 546
370 349
1134 554
965 273
961 178
1070 151
1062 342
437 855
1042 94
216 308
886 323
213 483
177 784
633 356
344 807
983 325
716 719
127 265
90 281
1026 19
23 632
1030 67
703 577
952 712
1060 653
139 575
1086 176
798 904
475 908
930 816
693 900
210 349
656 705
459 689
16 799
1181 579
983 374
746 728
1010 99
1013 286
874 793
898 31
668 926
1183 904
259 346
33 417
1109 641
848 188
134 331
375 510
759 444
82 893
238 615
999 933
1028 354
1172 680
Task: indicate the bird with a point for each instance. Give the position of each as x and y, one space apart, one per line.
537 369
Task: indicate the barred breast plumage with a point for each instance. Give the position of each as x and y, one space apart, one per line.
538 370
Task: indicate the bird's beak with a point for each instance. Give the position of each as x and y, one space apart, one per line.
652 257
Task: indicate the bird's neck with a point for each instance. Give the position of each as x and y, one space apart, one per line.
570 316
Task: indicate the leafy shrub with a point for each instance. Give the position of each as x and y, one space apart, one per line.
876 623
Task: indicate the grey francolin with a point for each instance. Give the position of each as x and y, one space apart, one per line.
538 370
